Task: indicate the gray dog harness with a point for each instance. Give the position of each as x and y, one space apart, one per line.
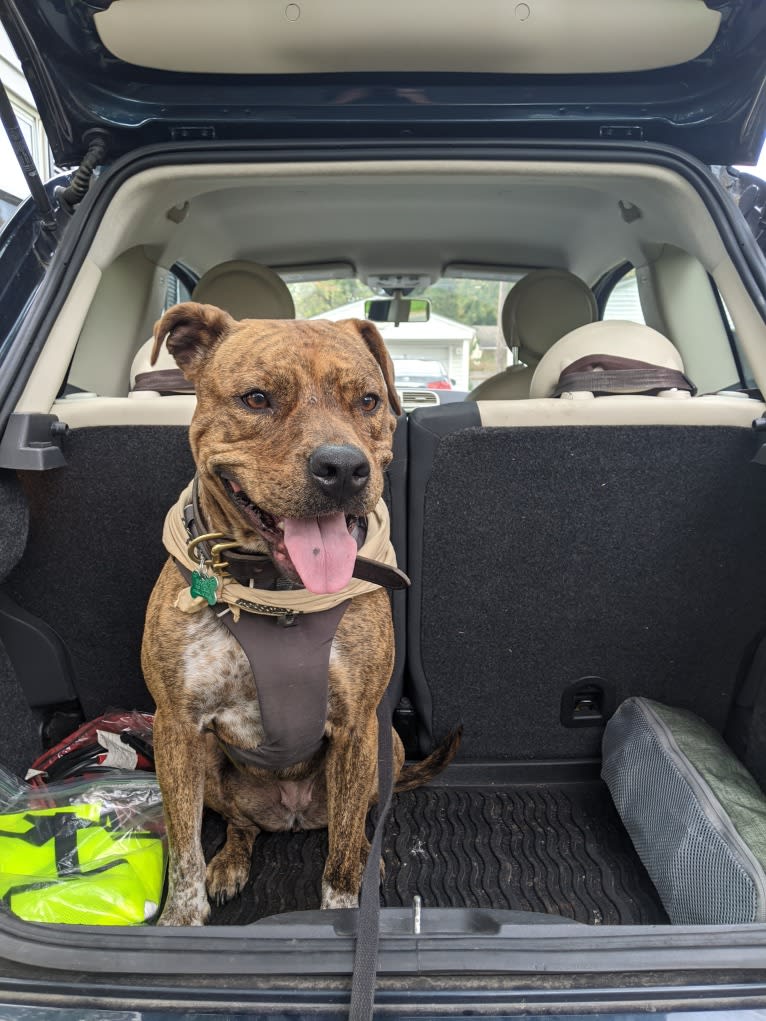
288 653
291 671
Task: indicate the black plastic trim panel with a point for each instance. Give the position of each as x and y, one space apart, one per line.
530 994
396 481
426 428
271 951
37 654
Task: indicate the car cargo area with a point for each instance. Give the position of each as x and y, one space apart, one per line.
565 555
554 848
522 821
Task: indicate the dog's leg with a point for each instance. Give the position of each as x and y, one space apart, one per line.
351 776
228 872
180 760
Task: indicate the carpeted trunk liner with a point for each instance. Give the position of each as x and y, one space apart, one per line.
558 849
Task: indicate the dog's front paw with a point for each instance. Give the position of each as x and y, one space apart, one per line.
337 898
186 907
226 874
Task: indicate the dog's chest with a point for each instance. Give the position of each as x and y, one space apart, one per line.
219 686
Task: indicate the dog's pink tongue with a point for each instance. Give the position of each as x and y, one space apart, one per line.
322 551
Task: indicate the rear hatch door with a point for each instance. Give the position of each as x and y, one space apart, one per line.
689 73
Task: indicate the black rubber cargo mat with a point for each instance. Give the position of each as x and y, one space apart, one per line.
554 848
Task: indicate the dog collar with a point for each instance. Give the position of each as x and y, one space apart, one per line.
257 570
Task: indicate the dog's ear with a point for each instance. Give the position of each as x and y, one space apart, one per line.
192 331
372 338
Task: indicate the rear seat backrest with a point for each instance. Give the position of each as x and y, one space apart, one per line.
610 538
99 522
246 290
539 309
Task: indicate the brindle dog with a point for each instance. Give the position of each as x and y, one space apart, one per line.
282 406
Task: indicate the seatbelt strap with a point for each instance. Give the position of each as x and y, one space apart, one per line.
368 914
612 374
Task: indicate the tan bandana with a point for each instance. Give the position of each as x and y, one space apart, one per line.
377 546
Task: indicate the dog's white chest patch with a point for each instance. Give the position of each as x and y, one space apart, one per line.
220 685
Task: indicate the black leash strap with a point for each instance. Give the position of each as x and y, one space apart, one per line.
368 915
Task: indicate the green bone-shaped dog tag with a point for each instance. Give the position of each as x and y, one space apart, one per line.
205 587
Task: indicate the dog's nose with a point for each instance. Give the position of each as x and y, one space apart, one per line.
339 471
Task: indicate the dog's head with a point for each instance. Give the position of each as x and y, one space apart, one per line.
291 434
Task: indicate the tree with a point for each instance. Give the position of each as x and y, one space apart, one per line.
313 297
472 302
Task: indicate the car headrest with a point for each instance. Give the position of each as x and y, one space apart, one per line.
616 341
142 362
246 290
544 306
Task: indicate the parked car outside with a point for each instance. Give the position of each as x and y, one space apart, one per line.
421 372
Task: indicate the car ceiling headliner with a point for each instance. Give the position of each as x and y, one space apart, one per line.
393 219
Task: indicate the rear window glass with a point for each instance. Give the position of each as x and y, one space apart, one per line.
460 345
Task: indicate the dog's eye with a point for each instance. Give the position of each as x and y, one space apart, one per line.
370 402
256 400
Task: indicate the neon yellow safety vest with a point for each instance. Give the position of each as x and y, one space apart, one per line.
75 865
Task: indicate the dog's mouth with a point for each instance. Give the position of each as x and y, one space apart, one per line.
317 552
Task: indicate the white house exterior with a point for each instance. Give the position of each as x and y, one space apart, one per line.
440 339
13 186
624 302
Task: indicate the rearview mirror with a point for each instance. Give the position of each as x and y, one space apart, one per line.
398 310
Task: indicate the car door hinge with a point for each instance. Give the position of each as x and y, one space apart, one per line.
195 134
621 131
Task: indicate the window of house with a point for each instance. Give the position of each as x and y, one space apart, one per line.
624 301
13 184
178 285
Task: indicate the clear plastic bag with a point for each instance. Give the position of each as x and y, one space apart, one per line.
86 852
